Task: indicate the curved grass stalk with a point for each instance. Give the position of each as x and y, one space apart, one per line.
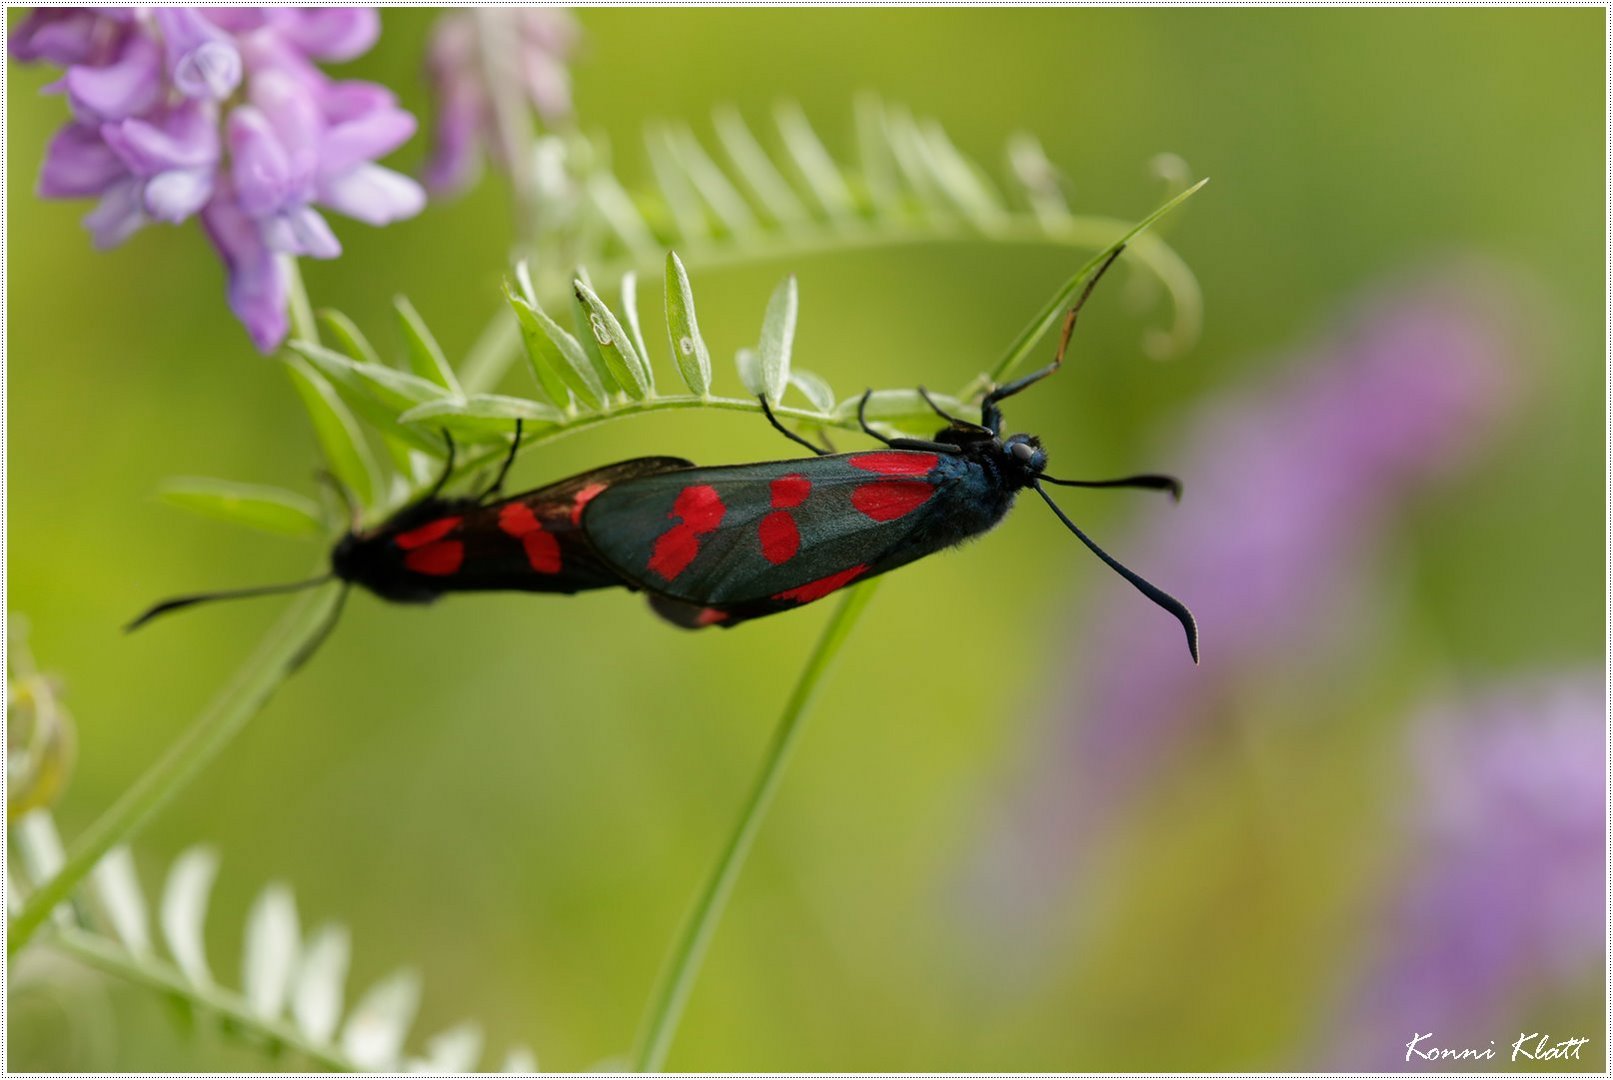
683 963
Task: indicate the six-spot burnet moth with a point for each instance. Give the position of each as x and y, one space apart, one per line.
717 546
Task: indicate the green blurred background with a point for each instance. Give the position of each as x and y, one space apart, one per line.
520 796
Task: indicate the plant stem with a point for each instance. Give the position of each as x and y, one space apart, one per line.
161 976
303 326
239 702
683 965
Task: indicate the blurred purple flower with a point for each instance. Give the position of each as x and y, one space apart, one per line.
1289 490
1500 893
222 112
533 44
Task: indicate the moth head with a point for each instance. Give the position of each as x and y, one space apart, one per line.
1026 452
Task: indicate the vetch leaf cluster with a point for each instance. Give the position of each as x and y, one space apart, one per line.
293 992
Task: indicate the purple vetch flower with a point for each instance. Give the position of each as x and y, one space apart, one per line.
180 109
1290 489
257 282
533 44
1497 898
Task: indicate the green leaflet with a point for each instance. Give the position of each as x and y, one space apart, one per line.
426 357
339 436
256 506
629 370
778 335
558 361
683 329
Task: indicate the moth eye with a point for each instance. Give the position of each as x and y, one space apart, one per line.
1024 451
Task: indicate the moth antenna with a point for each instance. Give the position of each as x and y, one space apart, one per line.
1150 481
1157 595
228 594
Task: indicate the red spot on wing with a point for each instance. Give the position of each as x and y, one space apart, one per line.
674 550
700 507
580 501
542 548
542 551
896 462
425 534
887 500
710 615
790 490
780 538
700 510
817 590
517 519
438 560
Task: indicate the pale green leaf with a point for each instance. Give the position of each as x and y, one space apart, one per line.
588 332
453 1051
764 182
184 912
814 388
675 186
519 1059
904 410
117 887
348 336
485 407
813 164
620 214
378 394
623 361
558 361
683 329
374 1033
316 989
778 337
271 509
879 170
426 357
346 452
630 316
749 363
270 957
714 188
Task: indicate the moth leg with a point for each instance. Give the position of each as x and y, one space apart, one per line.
862 418
767 410
447 469
991 417
900 444
504 470
948 417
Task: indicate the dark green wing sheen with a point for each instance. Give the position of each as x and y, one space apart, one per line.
719 545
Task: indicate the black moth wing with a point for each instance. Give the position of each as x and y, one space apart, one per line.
717 546
529 542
